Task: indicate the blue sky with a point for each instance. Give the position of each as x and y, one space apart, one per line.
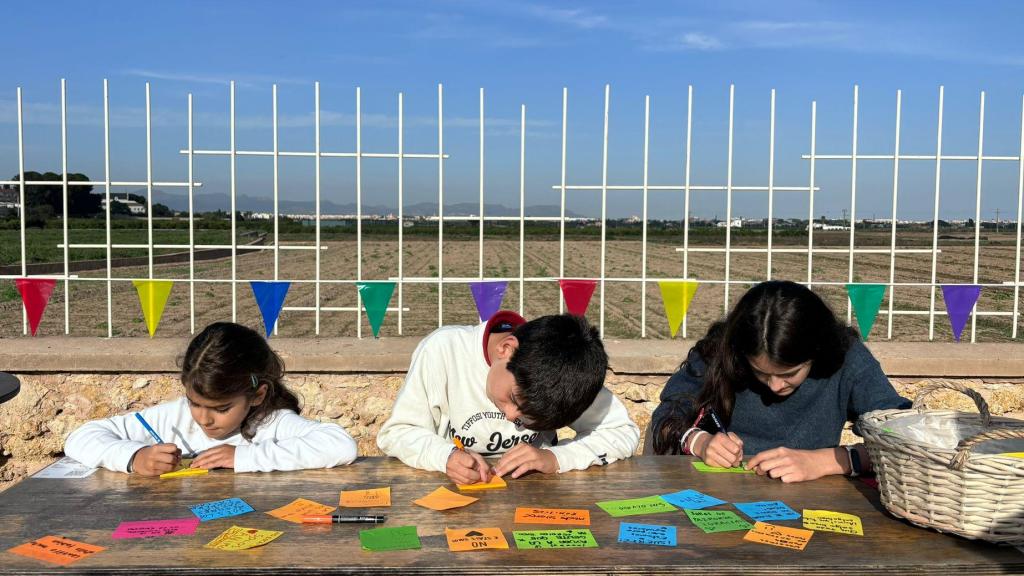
524 53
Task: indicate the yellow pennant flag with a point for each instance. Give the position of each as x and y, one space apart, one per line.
153 296
677 297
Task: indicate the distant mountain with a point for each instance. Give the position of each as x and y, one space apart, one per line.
212 202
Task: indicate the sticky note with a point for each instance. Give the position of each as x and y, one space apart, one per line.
570 516
717 520
495 482
185 472
237 538
1013 454
384 539
829 521
156 528
767 511
366 498
650 534
56 550
294 511
221 509
782 536
466 539
702 467
444 499
691 500
573 538
636 506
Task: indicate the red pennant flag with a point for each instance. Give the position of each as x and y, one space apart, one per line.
577 294
35 293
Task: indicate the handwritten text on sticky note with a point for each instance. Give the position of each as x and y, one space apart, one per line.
570 516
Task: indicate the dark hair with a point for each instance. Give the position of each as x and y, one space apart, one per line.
784 320
227 360
559 367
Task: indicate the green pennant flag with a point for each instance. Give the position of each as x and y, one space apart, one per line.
866 299
376 297
152 297
677 297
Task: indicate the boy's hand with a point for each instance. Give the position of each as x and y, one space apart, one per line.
466 467
723 450
791 465
155 460
222 456
523 458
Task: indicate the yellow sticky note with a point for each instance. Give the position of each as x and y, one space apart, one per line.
829 521
183 472
237 538
366 498
495 482
1013 454
298 508
443 499
466 539
782 536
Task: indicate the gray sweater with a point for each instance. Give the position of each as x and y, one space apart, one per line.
811 417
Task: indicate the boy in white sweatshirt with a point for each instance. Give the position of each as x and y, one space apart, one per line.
504 388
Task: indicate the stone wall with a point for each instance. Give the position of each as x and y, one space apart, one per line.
34 424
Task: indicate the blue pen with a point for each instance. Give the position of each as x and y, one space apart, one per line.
149 428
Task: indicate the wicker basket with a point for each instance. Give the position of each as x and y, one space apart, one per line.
971 495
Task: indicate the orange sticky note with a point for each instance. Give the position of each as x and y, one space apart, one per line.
495 482
366 498
443 499
466 539
782 536
553 516
56 550
298 508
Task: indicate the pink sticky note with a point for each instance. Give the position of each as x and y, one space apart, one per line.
155 528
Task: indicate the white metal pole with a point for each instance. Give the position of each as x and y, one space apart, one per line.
234 234
440 205
810 191
604 200
561 219
1020 206
191 225
853 200
106 194
977 208
277 215
22 205
686 192
643 244
359 209
480 265
64 193
728 199
401 212
895 200
935 219
522 204
316 214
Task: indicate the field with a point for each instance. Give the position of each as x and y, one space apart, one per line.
623 300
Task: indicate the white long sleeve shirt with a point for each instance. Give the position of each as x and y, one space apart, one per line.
286 441
444 395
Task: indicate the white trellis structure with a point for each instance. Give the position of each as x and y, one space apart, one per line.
400 156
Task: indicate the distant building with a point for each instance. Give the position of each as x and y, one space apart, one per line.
736 223
134 207
9 198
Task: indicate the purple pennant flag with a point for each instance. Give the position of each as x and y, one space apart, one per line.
960 300
488 296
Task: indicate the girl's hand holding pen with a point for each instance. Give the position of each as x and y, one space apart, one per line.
156 460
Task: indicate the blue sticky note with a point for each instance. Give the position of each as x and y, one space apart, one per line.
767 511
650 534
691 500
221 509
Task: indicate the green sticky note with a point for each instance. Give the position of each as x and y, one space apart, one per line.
636 506
382 539
576 538
702 467
717 520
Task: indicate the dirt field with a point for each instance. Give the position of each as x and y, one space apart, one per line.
501 258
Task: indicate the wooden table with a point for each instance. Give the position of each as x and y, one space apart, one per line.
89 509
9 386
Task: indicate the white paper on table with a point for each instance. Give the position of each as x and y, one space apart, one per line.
65 468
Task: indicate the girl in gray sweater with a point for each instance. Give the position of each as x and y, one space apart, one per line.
777 381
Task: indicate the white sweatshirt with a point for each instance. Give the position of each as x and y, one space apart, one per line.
286 441
444 395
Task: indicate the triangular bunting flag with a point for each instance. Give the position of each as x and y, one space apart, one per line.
376 297
153 296
866 298
35 294
270 299
577 294
488 296
677 297
960 300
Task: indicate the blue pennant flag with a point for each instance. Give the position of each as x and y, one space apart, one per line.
270 299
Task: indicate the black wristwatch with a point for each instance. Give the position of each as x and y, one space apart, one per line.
855 466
